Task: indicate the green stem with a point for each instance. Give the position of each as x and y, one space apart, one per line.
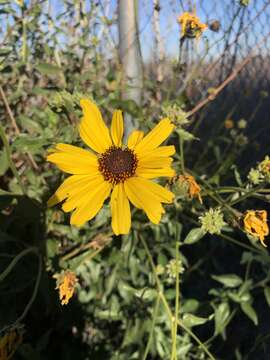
166 305
176 312
84 247
35 291
11 164
152 328
229 238
182 159
13 263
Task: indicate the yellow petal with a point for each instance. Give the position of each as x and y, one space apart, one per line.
93 130
148 196
79 195
73 159
161 193
155 162
155 137
67 188
91 204
121 218
134 138
155 173
161 151
117 128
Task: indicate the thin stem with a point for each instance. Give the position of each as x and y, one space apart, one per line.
166 306
86 246
35 291
14 124
87 257
182 158
229 238
11 164
13 263
191 334
152 328
177 291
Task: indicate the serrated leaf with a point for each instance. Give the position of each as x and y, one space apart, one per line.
228 280
222 313
250 312
194 236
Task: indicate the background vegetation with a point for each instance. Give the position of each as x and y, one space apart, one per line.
52 54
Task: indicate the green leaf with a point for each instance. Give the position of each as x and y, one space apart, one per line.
185 135
228 280
250 312
194 236
222 313
190 305
4 165
191 320
266 291
30 125
146 294
26 143
48 69
126 291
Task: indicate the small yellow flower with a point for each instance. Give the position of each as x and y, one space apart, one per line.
122 171
191 25
66 284
194 188
255 223
229 124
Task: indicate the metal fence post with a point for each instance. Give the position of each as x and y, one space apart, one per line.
130 55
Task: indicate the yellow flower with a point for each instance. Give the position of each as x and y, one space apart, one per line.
191 25
229 124
255 223
66 284
194 188
122 171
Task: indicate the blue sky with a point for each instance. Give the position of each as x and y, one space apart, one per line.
207 10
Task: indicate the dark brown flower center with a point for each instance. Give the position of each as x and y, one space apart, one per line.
117 165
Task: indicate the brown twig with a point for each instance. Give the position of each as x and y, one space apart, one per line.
14 124
218 89
230 78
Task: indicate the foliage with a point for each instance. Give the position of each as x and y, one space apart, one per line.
167 291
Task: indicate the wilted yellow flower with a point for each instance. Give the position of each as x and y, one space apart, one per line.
264 166
123 170
229 124
194 188
191 25
10 339
66 284
255 223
